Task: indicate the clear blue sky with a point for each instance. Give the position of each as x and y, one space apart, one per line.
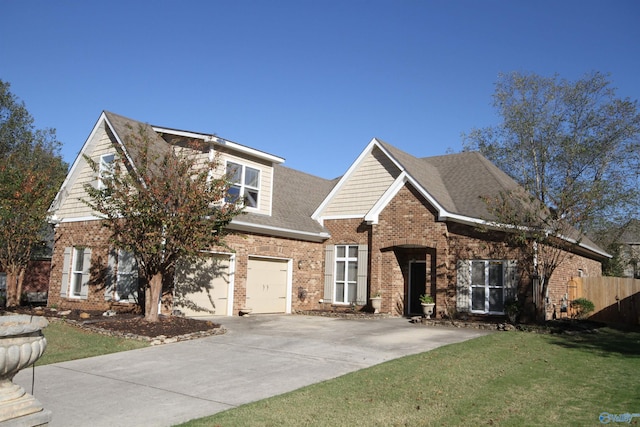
308 80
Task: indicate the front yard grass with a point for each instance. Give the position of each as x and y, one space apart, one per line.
503 379
66 342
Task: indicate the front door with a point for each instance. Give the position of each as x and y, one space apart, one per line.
417 286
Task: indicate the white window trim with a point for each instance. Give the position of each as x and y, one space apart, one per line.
487 285
347 260
76 274
105 167
243 186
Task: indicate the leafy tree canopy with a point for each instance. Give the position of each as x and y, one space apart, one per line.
573 145
31 171
164 206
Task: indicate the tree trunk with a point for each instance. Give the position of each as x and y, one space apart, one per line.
15 277
541 306
541 310
153 297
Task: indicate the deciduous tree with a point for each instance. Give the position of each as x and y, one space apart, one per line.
162 204
31 171
573 146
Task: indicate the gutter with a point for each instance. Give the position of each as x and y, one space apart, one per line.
279 231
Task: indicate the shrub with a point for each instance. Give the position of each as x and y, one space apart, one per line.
583 307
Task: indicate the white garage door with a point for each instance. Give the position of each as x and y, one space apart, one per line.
267 285
204 285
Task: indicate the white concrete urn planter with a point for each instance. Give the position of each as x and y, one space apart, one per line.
427 309
376 304
21 344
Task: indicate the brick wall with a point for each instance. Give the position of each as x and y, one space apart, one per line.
307 266
408 229
571 266
36 277
90 234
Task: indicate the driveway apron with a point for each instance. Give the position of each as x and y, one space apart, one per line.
258 357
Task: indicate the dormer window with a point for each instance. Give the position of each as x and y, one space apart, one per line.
245 185
106 169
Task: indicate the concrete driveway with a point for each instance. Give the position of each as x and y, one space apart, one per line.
259 357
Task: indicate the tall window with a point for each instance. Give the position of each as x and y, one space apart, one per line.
346 273
106 169
245 184
488 286
127 277
77 272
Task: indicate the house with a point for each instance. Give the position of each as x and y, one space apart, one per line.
630 248
393 224
35 284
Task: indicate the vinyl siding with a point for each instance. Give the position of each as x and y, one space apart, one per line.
364 187
72 206
266 177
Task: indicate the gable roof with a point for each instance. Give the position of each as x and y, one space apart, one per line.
631 232
454 184
291 209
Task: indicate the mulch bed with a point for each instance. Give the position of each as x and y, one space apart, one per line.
128 324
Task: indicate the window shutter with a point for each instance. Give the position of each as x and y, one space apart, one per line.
329 267
110 278
361 287
86 264
66 264
135 276
511 280
463 287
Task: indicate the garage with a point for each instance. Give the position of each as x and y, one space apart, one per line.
204 285
267 289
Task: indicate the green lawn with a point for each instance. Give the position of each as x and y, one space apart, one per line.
66 342
504 379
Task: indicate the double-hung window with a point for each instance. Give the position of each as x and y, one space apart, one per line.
105 169
245 185
127 277
77 272
121 282
485 285
76 266
346 273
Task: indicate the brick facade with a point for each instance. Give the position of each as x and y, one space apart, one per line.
407 231
36 277
90 234
306 269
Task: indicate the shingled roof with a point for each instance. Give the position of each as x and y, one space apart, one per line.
456 181
296 195
127 130
631 232
459 182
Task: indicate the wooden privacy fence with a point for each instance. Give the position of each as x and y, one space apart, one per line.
616 298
